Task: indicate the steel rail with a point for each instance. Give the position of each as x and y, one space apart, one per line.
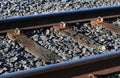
70 69
44 20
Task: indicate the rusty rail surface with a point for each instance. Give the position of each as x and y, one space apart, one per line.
44 20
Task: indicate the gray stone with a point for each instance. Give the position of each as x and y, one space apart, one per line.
75 58
0 63
24 62
44 38
84 50
35 37
3 69
38 64
13 59
47 32
6 49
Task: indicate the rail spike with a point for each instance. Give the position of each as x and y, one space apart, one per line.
59 26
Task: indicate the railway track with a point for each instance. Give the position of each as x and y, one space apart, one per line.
89 67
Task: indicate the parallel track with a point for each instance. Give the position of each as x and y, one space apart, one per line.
80 68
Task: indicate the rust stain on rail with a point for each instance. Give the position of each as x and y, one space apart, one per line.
32 47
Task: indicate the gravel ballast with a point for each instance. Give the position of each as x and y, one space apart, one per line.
15 58
13 8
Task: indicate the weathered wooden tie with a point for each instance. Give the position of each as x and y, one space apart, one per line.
99 21
86 41
32 47
80 38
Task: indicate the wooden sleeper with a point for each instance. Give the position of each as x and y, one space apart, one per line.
32 47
